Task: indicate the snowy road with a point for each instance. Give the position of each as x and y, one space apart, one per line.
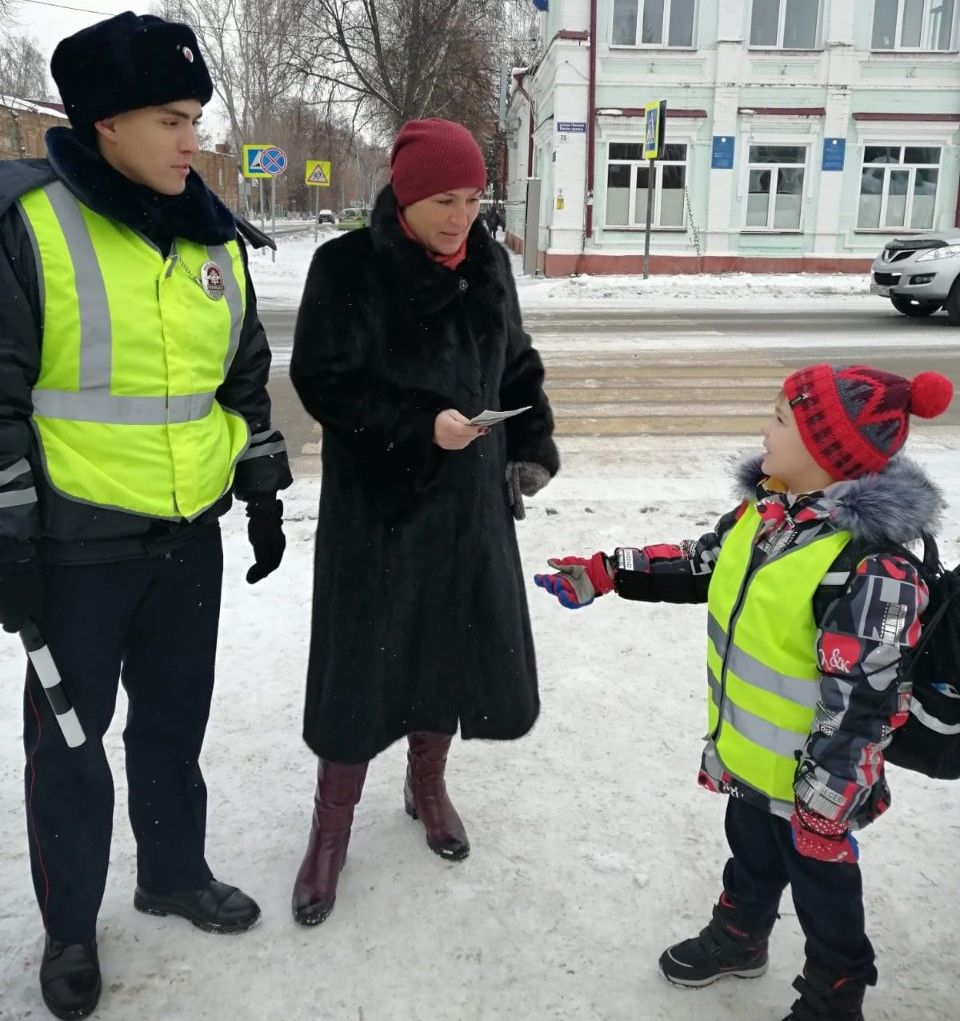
622 373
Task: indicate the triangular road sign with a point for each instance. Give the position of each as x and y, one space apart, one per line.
317 173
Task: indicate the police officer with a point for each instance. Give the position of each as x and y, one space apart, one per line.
133 406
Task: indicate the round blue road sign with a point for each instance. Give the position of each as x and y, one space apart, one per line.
273 161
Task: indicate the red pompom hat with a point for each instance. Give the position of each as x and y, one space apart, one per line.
853 419
433 156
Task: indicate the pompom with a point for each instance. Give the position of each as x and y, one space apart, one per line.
930 394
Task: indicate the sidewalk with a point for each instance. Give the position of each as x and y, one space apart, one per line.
592 845
281 284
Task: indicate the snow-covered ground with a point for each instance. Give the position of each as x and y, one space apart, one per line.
280 282
593 847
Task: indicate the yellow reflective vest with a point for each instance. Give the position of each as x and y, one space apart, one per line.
134 348
762 673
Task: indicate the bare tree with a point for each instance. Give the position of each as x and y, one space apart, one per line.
23 68
399 60
248 46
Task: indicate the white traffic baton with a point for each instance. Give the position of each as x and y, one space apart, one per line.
52 687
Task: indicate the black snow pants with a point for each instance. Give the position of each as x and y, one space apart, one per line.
828 896
152 622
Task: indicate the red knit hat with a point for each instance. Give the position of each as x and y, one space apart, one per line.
433 156
853 419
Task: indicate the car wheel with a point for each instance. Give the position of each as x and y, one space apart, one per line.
913 308
952 304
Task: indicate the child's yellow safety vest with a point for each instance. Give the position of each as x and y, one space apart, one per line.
762 672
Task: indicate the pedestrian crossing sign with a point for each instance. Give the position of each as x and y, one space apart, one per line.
655 128
318 173
251 165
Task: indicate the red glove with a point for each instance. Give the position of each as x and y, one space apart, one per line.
815 836
579 581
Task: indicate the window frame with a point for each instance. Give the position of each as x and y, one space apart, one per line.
897 46
750 165
903 145
657 187
778 47
635 45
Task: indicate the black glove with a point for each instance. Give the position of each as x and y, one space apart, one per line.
265 532
21 590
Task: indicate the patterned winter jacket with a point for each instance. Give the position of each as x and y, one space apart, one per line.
865 618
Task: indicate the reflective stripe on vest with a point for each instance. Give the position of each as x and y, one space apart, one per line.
134 349
762 672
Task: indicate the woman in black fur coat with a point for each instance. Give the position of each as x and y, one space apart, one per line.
407 330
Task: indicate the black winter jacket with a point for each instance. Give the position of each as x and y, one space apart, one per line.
67 530
420 619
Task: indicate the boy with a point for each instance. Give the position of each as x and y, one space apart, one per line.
809 608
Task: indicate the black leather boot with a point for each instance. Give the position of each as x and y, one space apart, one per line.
215 907
315 889
425 795
70 978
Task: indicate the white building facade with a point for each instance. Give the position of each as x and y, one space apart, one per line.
800 134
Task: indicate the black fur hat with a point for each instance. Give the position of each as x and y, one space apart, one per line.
125 63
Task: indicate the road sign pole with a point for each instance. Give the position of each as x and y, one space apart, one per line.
646 239
316 215
273 216
260 189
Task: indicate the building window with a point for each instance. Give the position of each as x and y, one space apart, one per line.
627 179
898 187
785 24
775 187
653 22
913 24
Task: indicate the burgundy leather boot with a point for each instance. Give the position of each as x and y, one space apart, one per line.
425 795
338 790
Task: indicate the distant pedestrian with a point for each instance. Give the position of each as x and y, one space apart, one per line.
407 330
494 219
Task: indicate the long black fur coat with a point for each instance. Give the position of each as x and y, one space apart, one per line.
420 619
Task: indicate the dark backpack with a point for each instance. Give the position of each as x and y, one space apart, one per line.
929 742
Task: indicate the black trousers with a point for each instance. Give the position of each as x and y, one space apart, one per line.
828 896
151 622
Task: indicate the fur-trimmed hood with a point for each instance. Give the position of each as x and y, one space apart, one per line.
898 505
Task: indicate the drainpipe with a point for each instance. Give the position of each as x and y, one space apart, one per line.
523 92
591 119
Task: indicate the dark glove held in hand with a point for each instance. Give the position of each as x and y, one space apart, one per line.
524 478
21 592
265 532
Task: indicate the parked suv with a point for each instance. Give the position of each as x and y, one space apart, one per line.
920 274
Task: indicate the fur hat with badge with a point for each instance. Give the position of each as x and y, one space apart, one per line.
126 63
854 418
